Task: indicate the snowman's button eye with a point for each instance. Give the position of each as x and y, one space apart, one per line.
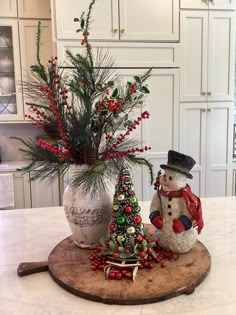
170 178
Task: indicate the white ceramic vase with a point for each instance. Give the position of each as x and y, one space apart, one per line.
89 218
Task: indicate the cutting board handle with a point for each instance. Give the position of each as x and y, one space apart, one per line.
28 268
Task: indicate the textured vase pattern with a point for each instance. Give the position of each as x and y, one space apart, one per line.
89 218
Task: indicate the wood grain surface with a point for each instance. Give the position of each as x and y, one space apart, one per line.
70 267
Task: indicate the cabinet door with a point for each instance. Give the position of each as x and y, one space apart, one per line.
34 9
28 46
222 4
10 72
194 4
192 141
158 21
28 43
193 55
221 56
160 131
8 8
104 23
219 149
45 195
22 194
208 4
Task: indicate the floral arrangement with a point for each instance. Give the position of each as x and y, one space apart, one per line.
86 112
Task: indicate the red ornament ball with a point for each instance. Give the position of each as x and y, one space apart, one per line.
112 227
125 188
112 275
128 209
142 254
163 264
139 238
118 275
122 178
127 251
138 219
116 255
149 250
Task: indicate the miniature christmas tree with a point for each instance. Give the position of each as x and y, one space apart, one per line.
129 238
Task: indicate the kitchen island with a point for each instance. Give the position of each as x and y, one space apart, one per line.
31 234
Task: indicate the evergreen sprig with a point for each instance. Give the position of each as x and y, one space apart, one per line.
88 114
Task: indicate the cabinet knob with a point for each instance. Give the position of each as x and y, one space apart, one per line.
205 1
203 109
209 93
115 30
203 93
123 30
209 109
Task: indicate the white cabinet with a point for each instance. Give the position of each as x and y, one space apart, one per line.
39 9
28 41
208 4
21 188
148 55
160 131
207 56
234 179
205 133
8 8
121 20
28 47
22 191
44 194
10 71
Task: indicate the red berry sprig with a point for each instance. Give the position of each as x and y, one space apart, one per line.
112 152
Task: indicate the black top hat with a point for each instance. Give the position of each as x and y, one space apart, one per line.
179 162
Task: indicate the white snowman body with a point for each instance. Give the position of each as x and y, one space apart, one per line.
172 208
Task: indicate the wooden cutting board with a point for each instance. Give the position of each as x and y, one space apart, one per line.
70 267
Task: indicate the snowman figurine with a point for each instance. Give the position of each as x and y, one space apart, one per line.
175 211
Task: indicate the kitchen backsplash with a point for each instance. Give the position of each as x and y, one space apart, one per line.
10 147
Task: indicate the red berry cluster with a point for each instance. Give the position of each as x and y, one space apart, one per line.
85 40
147 260
133 89
112 153
157 183
108 104
47 146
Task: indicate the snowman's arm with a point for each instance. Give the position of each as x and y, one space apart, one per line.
186 222
155 212
183 223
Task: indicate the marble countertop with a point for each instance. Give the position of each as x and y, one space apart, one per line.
30 235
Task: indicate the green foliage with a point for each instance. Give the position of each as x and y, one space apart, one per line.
85 110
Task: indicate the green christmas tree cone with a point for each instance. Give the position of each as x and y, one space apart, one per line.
129 239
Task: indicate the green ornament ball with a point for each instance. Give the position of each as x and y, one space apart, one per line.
133 199
137 209
115 207
120 219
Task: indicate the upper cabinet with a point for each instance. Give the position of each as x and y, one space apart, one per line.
28 43
208 4
8 8
39 9
10 71
122 20
207 54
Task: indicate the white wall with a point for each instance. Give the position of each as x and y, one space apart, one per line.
9 147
